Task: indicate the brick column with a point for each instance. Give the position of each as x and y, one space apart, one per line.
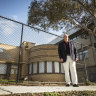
53 67
59 67
45 66
37 67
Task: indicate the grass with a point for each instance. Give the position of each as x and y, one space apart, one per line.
9 82
68 93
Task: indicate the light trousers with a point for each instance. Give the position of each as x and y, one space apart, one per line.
70 65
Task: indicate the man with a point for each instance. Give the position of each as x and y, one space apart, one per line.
68 56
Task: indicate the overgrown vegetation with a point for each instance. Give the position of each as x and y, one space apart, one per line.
4 81
68 93
86 82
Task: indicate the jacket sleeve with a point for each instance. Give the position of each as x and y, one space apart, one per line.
59 51
75 51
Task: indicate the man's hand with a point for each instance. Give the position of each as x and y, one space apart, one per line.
76 59
61 60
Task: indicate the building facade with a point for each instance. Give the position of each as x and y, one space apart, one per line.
8 61
85 44
42 63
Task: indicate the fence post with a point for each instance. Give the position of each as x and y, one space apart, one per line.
19 60
83 57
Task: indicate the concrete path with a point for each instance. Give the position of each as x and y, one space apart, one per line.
3 92
39 89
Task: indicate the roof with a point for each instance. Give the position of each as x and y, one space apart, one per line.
70 32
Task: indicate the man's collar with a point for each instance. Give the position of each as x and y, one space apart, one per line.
67 42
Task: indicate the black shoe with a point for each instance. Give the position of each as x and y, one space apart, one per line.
67 85
75 85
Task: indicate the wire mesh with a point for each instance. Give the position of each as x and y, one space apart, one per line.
10 33
28 53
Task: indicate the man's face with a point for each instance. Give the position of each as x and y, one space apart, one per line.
66 38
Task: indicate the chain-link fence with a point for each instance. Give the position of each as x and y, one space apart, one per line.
28 53
10 36
16 42
86 64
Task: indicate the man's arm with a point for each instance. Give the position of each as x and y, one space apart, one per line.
75 52
59 51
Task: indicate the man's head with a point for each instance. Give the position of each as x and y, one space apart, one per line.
66 37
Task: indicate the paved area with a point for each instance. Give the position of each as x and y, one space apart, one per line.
3 92
39 89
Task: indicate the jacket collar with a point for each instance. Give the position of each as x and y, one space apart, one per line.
65 42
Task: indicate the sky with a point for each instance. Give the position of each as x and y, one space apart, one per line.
15 9
10 32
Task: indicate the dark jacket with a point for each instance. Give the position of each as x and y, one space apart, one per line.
62 51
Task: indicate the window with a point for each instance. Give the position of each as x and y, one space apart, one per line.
30 68
34 67
14 66
62 68
74 38
12 71
41 67
80 56
56 66
83 36
49 67
3 68
85 53
2 50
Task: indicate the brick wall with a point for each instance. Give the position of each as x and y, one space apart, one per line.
48 77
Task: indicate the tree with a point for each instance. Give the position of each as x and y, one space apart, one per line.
58 14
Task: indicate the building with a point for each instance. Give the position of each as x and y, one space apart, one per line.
8 61
41 63
86 46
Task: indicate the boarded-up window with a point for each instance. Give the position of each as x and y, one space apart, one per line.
62 68
30 68
41 67
35 67
56 66
3 68
49 67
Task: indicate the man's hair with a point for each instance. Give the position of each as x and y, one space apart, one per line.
65 35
